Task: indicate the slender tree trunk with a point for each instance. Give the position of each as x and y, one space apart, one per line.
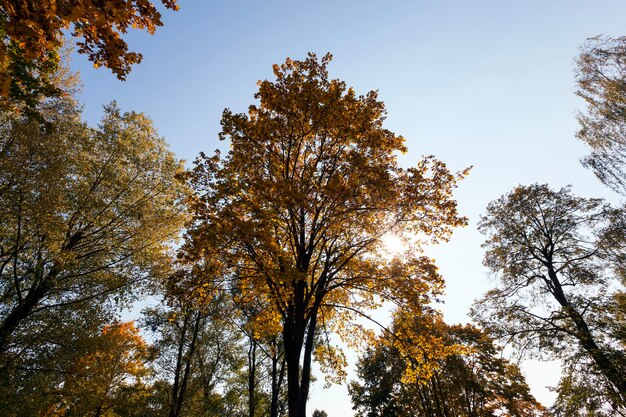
26 305
606 366
178 366
180 384
278 374
586 339
251 378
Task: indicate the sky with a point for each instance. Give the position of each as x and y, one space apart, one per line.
488 84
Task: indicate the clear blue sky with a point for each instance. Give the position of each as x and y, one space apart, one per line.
482 83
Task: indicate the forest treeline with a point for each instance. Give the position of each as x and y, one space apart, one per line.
258 258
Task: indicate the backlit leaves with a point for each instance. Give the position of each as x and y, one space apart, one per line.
32 33
296 210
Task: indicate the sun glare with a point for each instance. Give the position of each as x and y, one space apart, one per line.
393 244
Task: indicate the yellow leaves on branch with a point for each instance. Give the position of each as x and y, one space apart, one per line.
295 212
421 343
266 323
38 25
332 363
114 359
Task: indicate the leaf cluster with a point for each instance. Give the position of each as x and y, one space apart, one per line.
32 33
601 77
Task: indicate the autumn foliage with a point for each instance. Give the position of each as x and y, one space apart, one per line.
283 259
295 213
33 31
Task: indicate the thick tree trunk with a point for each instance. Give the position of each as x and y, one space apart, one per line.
293 348
297 336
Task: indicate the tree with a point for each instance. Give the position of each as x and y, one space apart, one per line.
31 380
266 360
476 383
108 375
86 215
32 33
199 353
582 391
297 209
556 257
79 367
601 78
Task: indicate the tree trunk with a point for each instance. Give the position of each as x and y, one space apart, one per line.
293 348
25 308
587 341
278 374
180 384
606 366
251 378
296 336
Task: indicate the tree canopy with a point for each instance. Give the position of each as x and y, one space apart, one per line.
476 383
294 214
556 257
86 215
601 80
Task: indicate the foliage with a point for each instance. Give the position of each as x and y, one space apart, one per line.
108 375
199 355
295 213
581 392
601 80
477 383
90 371
557 257
32 32
30 381
86 215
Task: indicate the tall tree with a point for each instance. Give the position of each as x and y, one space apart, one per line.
32 33
85 215
601 80
476 383
297 209
199 352
556 257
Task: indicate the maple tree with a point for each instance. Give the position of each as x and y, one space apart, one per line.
110 371
475 383
50 346
266 358
601 78
558 258
296 211
78 364
32 32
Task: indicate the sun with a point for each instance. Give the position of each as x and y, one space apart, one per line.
393 244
